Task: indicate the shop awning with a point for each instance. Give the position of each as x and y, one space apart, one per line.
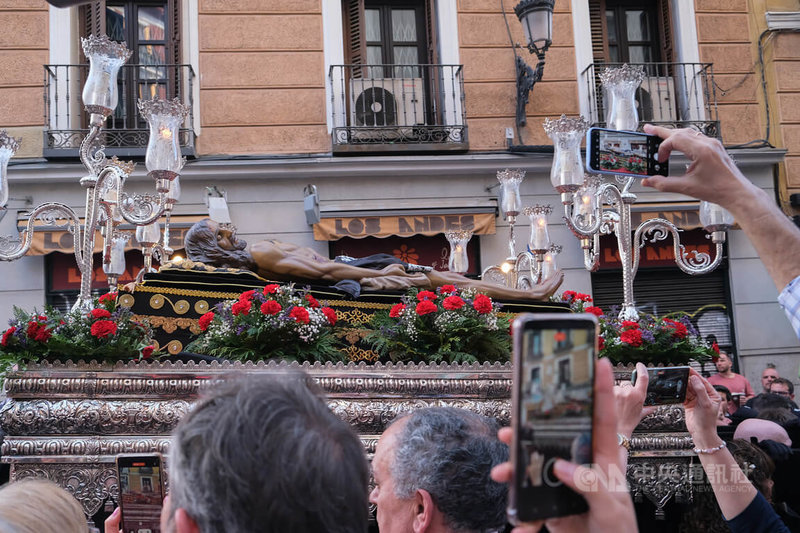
47 239
334 226
685 215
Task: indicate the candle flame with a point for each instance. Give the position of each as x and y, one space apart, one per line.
165 132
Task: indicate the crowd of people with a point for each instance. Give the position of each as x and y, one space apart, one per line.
265 453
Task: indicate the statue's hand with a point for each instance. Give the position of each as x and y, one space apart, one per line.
396 269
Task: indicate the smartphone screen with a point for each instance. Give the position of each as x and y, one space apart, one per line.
140 493
623 152
666 385
553 406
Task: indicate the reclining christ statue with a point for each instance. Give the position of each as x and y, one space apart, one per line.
213 244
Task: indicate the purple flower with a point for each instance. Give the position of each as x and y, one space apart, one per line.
648 336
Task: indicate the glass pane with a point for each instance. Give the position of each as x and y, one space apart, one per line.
148 91
151 55
374 56
115 23
611 26
404 25
406 55
637 23
372 24
613 54
152 23
640 54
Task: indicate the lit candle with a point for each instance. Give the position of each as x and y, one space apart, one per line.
540 238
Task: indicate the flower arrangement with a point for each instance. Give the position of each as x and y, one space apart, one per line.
276 322
104 332
449 325
669 339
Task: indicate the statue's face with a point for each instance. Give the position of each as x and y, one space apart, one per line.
226 238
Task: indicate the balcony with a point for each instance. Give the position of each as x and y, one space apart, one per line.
397 108
672 94
125 133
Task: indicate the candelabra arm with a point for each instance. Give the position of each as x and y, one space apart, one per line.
152 207
587 231
12 249
591 254
93 161
694 263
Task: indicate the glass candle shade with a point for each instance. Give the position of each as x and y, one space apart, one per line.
148 235
539 241
585 201
511 202
174 193
566 174
8 147
458 239
164 117
116 265
714 217
105 57
549 263
619 85
536 17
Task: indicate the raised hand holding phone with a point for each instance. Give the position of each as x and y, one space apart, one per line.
141 493
629 153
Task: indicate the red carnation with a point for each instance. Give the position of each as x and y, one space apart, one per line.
44 334
451 303
482 304
330 314
246 296
271 289
100 313
425 307
241 307
594 310
583 297
426 295
679 329
601 343
397 310
108 297
206 320
714 358
312 301
447 289
147 352
628 324
632 337
103 328
568 296
271 307
7 335
300 314
42 318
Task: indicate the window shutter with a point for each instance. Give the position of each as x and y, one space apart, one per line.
174 49
430 30
355 45
665 29
597 23
93 19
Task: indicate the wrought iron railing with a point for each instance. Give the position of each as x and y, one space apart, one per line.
672 94
125 133
397 107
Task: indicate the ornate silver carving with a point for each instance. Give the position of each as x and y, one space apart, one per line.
91 484
659 480
98 448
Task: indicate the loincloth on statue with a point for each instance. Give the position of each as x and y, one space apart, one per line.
173 299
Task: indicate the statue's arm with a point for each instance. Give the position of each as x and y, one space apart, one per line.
302 267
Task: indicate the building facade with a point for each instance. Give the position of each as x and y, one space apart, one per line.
400 113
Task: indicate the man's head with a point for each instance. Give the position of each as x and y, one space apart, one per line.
761 430
724 362
264 453
768 376
783 387
431 471
213 244
728 405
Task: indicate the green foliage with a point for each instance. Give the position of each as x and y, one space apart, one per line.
446 326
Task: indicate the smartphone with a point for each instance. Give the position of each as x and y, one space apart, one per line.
552 410
667 385
141 492
623 153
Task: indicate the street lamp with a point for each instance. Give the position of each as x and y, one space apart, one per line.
536 17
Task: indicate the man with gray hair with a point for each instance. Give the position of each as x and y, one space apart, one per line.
265 454
431 470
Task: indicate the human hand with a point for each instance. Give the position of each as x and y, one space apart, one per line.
629 400
610 504
701 407
111 525
712 175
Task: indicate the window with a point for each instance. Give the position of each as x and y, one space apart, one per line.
631 31
394 35
564 373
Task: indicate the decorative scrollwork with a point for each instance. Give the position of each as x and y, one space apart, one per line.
659 480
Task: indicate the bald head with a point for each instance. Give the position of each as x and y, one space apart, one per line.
762 430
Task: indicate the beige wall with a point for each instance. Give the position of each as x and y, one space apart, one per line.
490 77
23 52
262 77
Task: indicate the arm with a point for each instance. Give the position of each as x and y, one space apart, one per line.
284 264
629 402
713 176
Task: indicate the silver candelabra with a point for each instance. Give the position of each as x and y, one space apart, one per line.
107 204
595 206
